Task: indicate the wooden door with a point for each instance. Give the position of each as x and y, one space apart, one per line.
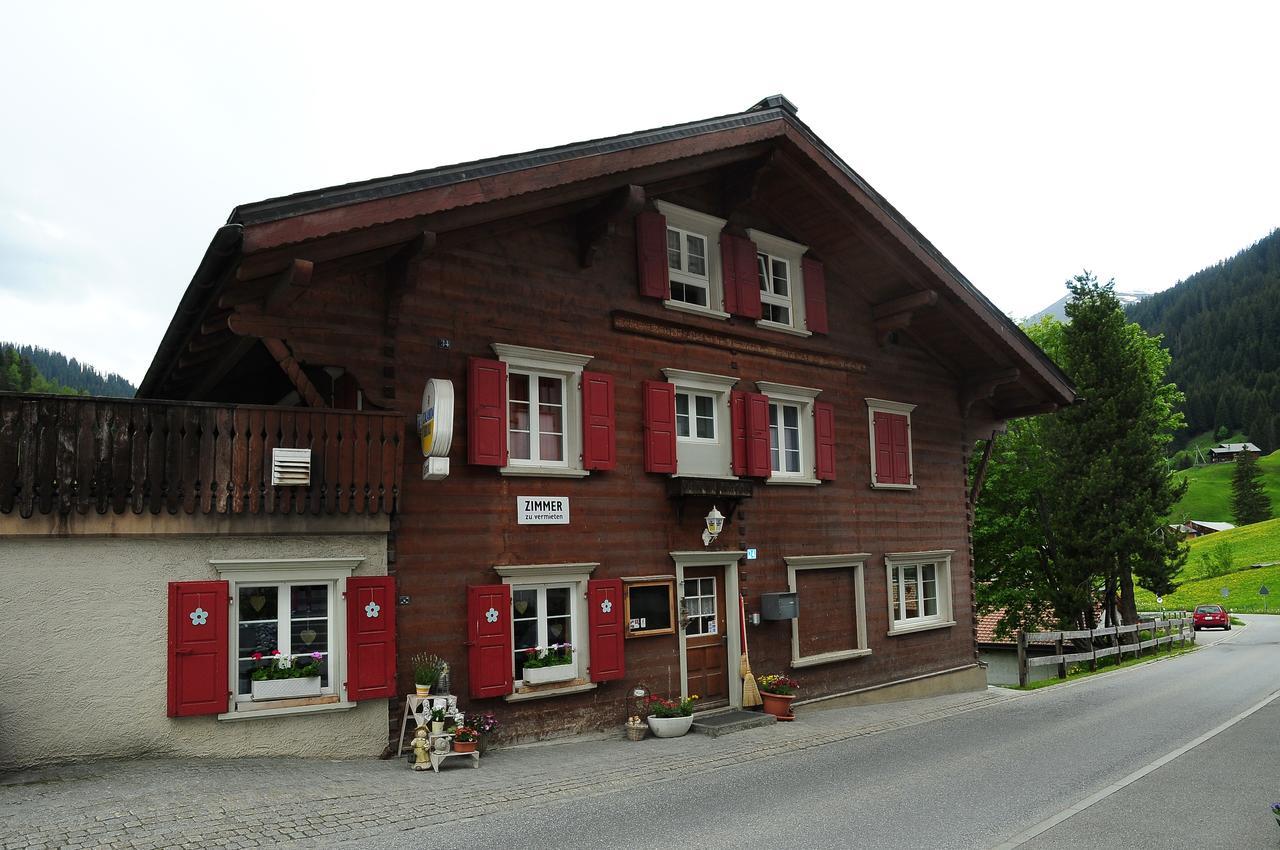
705 641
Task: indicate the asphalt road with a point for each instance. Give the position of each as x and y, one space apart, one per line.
981 779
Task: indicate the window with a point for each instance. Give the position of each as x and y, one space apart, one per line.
781 282
289 617
295 607
791 435
544 410
889 424
919 590
704 445
832 621
693 261
548 609
700 607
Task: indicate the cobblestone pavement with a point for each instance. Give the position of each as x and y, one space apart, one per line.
236 803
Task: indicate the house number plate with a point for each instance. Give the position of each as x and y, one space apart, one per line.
542 510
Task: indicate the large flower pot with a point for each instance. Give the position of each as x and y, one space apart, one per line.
669 727
779 705
266 689
464 746
546 675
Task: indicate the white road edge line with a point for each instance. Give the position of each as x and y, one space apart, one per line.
1048 824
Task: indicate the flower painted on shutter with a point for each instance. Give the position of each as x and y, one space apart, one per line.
372 609
606 606
491 615
199 617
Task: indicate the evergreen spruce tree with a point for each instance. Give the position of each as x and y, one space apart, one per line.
1249 503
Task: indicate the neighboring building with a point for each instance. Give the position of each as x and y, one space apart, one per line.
134 536
1228 452
637 330
1199 528
1000 654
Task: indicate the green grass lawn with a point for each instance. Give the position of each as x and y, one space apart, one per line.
1209 496
1250 544
1106 665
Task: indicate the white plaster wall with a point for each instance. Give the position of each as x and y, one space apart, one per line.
1002 667
83 651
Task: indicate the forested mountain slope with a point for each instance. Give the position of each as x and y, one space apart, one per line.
62 374
1222 326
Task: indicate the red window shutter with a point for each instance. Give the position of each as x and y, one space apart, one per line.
371 637
748 278
728 273
604 614
490 658
824 439
651 252
738 424
815 295
659 427
598 445
883 434
486 412
199 645
757 435
901 444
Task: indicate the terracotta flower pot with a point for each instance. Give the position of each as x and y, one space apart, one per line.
464 746
779 705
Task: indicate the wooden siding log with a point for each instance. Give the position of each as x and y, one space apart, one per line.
10 411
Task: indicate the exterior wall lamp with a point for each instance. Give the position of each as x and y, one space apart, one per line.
715 524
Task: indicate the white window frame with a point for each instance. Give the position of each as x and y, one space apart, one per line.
720 388
523 360
941 559
263 571
694 417
709 228
802 397
881 405
575 576
854 562
792 253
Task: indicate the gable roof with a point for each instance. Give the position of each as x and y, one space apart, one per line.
269 231
1232 448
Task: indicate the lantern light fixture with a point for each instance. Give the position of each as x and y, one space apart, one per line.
715 524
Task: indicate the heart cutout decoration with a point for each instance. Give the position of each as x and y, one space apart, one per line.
257 600
521 607
307 635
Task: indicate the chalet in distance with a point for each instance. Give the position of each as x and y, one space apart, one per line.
634 333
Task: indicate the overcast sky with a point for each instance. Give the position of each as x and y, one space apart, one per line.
1027 141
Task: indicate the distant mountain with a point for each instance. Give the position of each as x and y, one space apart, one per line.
61 374
1058 309
1222 326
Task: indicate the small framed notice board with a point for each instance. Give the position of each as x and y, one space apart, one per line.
651 607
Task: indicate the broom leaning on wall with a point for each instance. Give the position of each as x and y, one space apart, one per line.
750 692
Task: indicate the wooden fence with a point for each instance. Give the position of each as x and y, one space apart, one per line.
1177 629
66 453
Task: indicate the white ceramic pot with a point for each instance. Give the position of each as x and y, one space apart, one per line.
669 727
286 688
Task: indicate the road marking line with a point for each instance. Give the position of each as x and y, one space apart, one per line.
1048 824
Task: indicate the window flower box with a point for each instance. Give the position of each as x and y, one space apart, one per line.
268 689
546 675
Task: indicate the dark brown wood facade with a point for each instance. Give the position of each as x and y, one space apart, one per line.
397 290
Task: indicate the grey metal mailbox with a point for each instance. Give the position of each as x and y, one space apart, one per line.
778 606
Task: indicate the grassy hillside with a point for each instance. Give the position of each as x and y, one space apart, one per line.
1251 544
1209 496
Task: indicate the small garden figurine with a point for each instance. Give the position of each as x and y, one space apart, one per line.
421 749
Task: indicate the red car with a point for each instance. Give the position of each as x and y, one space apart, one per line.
1211 617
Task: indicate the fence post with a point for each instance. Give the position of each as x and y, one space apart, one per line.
1022 658
1060 649
1115 644
1093 647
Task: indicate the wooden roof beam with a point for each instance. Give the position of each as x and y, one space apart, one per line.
293 369
984 387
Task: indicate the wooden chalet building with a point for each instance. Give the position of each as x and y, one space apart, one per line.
634 331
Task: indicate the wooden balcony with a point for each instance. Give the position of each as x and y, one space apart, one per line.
69 454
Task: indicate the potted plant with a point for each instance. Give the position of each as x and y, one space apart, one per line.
778 691
549 664
669 718
426 672
1275 812
465 740
437 721
286 676
484 725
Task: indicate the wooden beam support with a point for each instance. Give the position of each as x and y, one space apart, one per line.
741 183
984 387
1031 410
297 276
981 474
293 369
906 304
223 365
597 225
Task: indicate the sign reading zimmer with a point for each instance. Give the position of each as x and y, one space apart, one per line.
542 510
